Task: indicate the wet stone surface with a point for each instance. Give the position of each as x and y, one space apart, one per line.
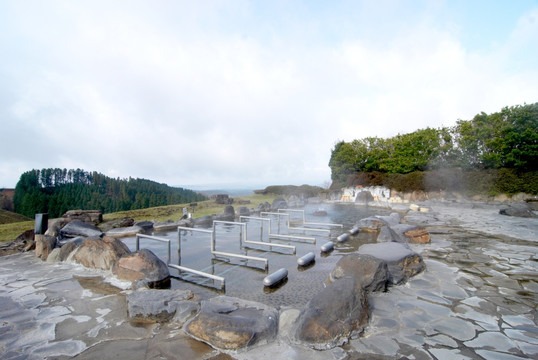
476 299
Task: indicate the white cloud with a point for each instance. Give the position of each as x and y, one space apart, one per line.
193 93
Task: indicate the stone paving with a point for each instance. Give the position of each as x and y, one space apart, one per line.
477 299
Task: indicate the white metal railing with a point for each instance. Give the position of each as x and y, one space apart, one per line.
155 238
284 211
278 235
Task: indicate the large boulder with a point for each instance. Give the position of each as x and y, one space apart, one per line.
79 228
334 315
162 305
88 216
402 262
68 247
99 253
279 203
370 273
141 265
233 324
44 245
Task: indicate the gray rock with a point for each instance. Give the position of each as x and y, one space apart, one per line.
369 272
124 231
386 234
88 216
99 253
411 234
204 221
402 262
145 224
263 207
54 255
121 223
391 220
141 265
519 210
44 245
79 228
244 211
333 316
68 247
233 324
371 223
162 305
279 203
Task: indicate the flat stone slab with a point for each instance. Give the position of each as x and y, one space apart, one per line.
162 305
402 262
124 231
79 228
233 324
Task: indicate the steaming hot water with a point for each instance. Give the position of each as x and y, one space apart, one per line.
244 278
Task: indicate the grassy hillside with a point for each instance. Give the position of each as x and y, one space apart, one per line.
10 231
7 217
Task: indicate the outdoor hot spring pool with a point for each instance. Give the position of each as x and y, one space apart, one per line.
244 278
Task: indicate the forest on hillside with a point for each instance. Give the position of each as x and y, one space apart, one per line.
54 191
501 144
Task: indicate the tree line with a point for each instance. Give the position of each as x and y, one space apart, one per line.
54 191
503 140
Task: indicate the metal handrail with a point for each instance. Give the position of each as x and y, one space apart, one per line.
138 236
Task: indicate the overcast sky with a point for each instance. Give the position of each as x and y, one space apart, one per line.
246 93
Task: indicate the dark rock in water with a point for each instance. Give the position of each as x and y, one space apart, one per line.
263 207
402 262
369 272
141 265
44 245
391 220
79 228
334 315
519 210
232 324
162 305
244 211
99 253
279 203
146 225
204 221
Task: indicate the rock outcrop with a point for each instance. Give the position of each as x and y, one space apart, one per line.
233 324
